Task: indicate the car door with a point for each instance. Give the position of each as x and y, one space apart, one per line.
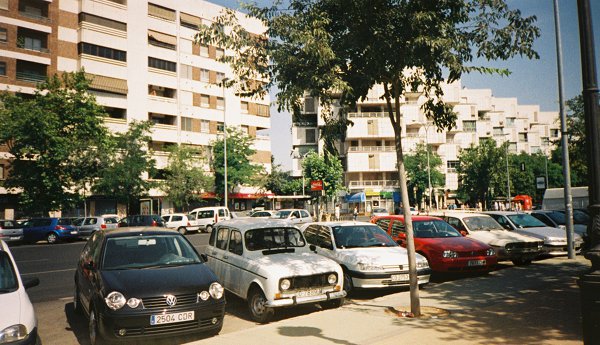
218 254
37 229
305 216
234 275
87 269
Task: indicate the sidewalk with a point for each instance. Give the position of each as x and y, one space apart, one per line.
536 304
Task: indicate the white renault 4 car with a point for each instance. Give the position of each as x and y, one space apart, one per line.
268 263
369 257
18 324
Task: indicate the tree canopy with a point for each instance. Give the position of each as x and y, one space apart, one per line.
327 168
417 172
281 182
56 138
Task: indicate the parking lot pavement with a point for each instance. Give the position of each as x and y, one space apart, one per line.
536 304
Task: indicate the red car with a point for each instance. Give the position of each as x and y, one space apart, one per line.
446 249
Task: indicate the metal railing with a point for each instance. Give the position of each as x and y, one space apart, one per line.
371 148
374 183
34 15
31 77
371 114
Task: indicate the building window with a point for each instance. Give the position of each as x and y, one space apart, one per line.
3 35
104 52
220 53
3 4
109 23
220 77
220 127
309 105
263 110
220 103
245 130
186 124
161 91
523 137
510 122
205 101
159 39
204 126
204 75
162 64
2 68
452 166
311 136
554 133
186 71
469 126
498 131
2 177
204 51
161 12
244 107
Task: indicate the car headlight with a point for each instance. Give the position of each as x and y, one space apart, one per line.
369 267
115 300
13 333
490 252
216 290
449 254
204 295
422 264
133 302
284 284
332 278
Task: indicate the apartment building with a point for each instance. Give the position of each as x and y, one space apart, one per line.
143 65
369 155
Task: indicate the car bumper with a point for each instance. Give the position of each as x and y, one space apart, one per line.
562 249
68 234
464 264
11 238
368 280
521 253
294 300
135 326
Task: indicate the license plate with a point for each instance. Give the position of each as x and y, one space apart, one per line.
476 263
308 293
399 277
171 318
15 237
73 232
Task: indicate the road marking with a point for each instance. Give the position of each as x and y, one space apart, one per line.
56 271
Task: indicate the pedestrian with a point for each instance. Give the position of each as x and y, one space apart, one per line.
355 212
337 212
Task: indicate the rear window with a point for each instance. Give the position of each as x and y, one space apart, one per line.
65 221
111 220
7 224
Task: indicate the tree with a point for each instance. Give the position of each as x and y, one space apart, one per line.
56 138
524 170
184 177
281 182
326 168
123 175
240 170
417 172
482 172
340 49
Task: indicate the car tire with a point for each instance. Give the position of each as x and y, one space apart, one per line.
256 304
52 238
93 328
521 262
76 300
348 286
333 304
182 230
208 229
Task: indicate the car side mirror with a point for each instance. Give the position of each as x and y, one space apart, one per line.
89 266
204 257
312 248
30 282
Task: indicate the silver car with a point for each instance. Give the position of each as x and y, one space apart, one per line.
10 231
87 225
555 240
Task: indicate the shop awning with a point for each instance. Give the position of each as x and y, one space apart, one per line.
356 197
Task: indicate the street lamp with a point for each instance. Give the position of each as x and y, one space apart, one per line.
426 125
225 140
507 172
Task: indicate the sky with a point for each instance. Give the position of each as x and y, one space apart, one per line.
531 81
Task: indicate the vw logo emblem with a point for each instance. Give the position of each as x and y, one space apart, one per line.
171 300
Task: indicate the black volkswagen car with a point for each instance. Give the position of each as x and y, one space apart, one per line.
145 282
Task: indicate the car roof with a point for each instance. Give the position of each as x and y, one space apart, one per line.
505 213
401 217
140 230
340 223
458 214
245 224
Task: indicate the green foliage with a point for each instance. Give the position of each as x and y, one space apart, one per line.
184 177
240 170
58 141
523 181
416 171
122 175
327 168
281 182
578 161
482 170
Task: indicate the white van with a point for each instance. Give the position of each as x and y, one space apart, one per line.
207 217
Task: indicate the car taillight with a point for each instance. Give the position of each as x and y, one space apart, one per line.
154 223
188 224
103 226
58 227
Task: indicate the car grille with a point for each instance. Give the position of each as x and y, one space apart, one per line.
467 254
160 303
169 328
518 246
315 280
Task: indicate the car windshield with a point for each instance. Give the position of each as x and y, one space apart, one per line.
433 229
135 252
282 214
558 217
8 277
359 236
481 224
523 220
273 238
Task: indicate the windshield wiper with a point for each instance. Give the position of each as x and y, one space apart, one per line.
278 250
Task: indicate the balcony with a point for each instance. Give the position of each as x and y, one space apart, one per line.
371 148
32 40
374 183
369 114
32 9
31 72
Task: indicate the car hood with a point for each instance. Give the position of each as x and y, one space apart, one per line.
286 264
374 255
21 310
155 281
546 232
452 243
500 238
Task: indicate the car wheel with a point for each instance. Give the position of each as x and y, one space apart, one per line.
95 337
348 286
76 300
52 238
208 229
257 305
521 262
182 230
332 304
